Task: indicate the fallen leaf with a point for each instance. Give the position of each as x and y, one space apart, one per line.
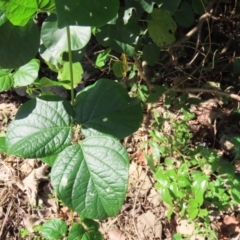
185 227
149 225
116 234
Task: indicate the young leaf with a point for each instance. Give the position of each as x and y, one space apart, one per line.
102 57
41 128
106 108
54 229
64 74
92 177
118 69
50 160
26 74
55 39
18 45
86 12
6 79
19 12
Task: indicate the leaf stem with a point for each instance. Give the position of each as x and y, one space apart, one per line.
70 64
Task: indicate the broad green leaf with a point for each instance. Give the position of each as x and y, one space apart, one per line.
185 16
199 187
151 54
86 12
117 38
26 74
50 160
102 57
92 177
106 108
193 208
6 79
170 6
54 229
41 128
3 148
64 74
19 12
162 27
46 82
55 39
18 45
77 232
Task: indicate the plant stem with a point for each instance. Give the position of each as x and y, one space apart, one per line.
70 64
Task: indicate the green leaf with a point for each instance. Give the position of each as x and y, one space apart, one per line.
92 177
117 39
50 160
54 229
18 45
41 128
64 74
50 7
55 39
118 69
151 54
162 27
3 148
6 79
26 74
106 108
199 187
102 58
155 94
86 12
165 195
193 208
76 233
19 12
170 6
185 16
198 6
46 82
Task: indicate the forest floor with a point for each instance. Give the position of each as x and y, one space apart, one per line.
143 214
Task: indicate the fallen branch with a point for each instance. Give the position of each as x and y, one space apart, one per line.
204 90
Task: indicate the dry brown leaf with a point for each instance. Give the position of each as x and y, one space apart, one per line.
30 183
138 175
228 220
185 227
116 234
29 221
149 225
154 197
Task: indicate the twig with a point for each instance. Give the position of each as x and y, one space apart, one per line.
205 90
195 29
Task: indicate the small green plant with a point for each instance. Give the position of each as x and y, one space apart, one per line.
57 229
192 180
